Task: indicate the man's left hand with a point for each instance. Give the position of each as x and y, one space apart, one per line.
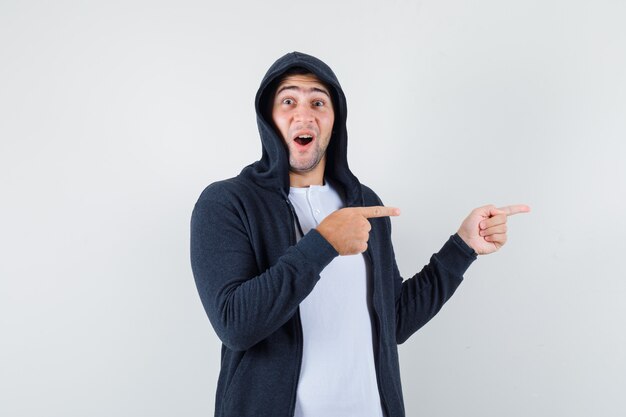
484 230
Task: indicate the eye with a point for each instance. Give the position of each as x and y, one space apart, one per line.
287 101
319 103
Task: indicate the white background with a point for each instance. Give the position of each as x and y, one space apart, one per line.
115 115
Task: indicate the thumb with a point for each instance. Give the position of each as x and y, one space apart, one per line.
494 211
488 211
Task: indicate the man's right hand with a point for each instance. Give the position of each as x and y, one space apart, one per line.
347 229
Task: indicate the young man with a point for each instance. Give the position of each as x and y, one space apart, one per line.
294 264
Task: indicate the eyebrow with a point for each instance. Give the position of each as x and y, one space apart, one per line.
293 87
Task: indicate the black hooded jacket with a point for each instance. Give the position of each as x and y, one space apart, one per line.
252 273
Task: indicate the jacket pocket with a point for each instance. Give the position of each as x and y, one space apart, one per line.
235 382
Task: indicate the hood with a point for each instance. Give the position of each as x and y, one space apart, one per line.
272 170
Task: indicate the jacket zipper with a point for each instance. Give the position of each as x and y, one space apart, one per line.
295 222
383 402
367 253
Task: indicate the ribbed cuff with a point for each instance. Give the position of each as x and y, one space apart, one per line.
317 249
455 255
464 246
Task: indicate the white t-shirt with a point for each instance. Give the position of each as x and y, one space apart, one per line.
338 375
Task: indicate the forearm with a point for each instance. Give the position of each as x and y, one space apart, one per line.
422 296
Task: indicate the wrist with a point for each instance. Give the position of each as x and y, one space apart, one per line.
463 244
464 237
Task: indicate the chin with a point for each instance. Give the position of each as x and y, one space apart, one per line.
299 170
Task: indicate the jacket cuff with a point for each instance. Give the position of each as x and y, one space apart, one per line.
456 256
316 249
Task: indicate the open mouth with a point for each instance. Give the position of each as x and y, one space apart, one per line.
303 139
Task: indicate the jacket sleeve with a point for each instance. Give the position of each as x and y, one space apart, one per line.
420 297
244 304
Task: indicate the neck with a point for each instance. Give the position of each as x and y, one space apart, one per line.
306 179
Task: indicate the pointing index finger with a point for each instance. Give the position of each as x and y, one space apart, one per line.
378 211
515 209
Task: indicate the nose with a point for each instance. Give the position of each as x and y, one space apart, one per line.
303 114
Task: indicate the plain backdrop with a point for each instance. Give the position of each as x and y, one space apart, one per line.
115 115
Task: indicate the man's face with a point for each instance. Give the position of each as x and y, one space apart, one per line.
303 114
